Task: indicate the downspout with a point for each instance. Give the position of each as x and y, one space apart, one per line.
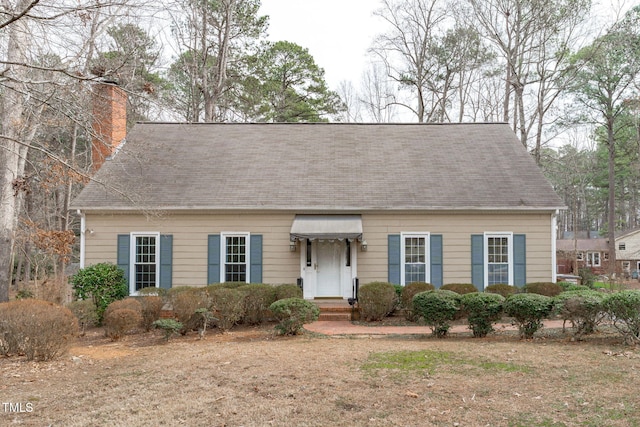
82 236
554 226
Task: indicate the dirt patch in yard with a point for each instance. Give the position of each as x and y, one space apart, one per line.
250 377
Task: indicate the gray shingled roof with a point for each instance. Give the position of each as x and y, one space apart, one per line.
319 167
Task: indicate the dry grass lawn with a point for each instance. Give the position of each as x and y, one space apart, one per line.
252 378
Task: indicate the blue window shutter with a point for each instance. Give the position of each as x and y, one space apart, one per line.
166 261
255 272
436 259
213 259
519 259
477 261
123 254
394 258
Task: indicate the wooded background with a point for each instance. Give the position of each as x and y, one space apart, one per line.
567 82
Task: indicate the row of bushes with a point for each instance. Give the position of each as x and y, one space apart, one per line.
379 299
42 330
583 307
220 305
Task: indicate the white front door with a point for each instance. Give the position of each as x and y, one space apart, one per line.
328 276
326 269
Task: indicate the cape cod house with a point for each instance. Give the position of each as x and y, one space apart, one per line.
325 205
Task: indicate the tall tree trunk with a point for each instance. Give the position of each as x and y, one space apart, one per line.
11 162
611 229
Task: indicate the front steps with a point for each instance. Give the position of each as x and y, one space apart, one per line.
335 310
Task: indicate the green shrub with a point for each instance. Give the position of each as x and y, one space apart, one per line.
227 305
568 286
376 300
624 310
121 321
583 308
293 313
501 289
528 311
39 329
258 298
288 291
408 293
548 289
103 283
437 308
483 309
587 277
460 288
25 294
151 309
86 313
169 326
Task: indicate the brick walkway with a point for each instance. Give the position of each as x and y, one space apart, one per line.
348 328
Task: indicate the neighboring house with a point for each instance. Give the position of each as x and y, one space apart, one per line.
589 253
325 205
628 253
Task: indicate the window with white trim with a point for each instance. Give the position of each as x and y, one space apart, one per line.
580 256
593 259
415 258
498 258
144 261
235 257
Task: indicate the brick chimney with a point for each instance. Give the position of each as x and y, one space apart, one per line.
109 121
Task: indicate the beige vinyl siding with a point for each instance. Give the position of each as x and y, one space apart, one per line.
190 233
456 231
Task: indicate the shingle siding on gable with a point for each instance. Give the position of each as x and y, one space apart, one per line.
190 241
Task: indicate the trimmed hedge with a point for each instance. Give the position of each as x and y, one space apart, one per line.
288 290
376 300
624 310
39 329
583 308
528 311
549 289
460 288
408 293
437 308
502 289
257 299
227 306
483 309
292 314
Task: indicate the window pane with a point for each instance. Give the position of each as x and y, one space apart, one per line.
498 274
414 273
414 259
235 265
145 262
236 273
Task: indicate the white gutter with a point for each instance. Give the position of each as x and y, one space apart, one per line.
82 237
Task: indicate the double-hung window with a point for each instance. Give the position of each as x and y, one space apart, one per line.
415 258
499 258
235 257
144 261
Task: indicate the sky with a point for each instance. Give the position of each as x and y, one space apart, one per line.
336 32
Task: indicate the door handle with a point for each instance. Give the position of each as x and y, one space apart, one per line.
315 266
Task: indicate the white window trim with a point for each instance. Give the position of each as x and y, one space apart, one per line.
590 262
223 253
498 234
427 254
132 258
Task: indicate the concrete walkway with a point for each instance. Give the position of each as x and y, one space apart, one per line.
348 328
